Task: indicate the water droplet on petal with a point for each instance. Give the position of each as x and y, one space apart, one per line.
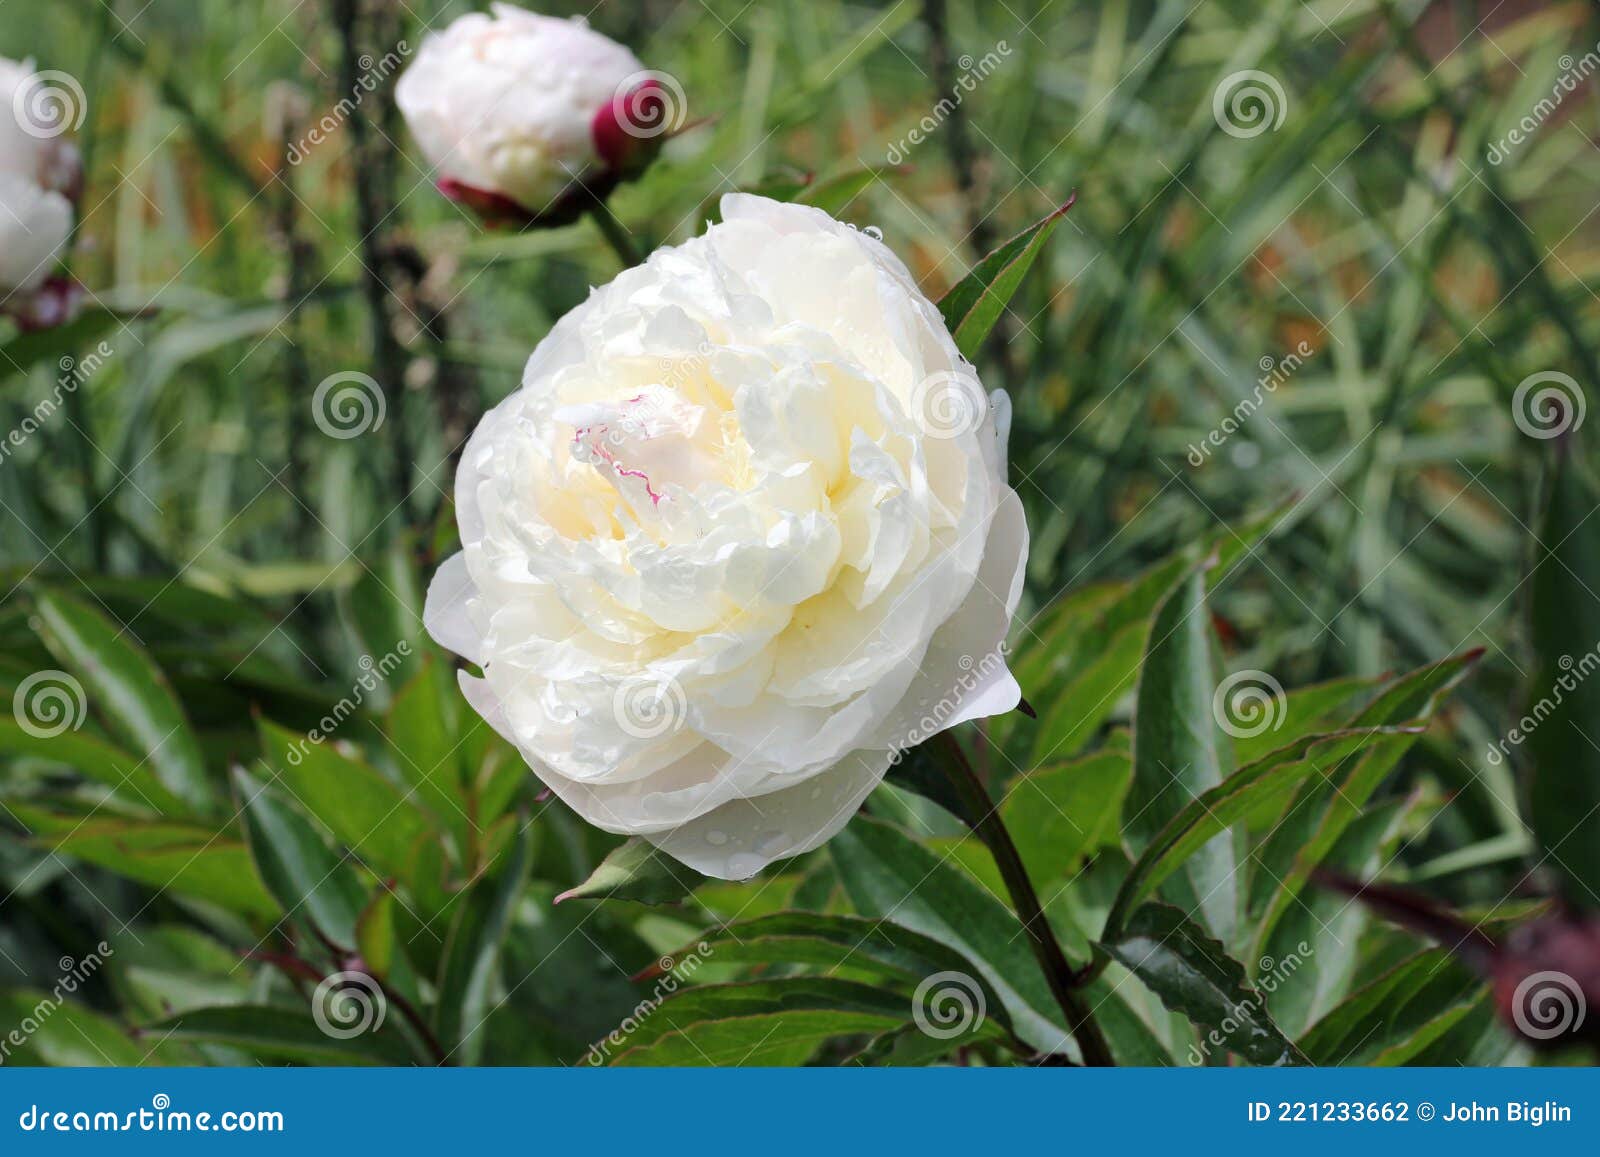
716 838
771 843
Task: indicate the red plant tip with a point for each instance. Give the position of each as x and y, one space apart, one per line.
1226 631
495 210
1419 913
628 130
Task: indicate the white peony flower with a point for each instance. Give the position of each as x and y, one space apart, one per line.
743 535
39 174
523 106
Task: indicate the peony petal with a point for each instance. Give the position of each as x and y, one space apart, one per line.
444 612
738 839
481 699
964 674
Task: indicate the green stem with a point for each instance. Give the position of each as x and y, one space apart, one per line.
374 153
1058 971
615 233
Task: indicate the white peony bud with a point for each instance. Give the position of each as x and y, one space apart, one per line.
34 226
524 108
743 536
